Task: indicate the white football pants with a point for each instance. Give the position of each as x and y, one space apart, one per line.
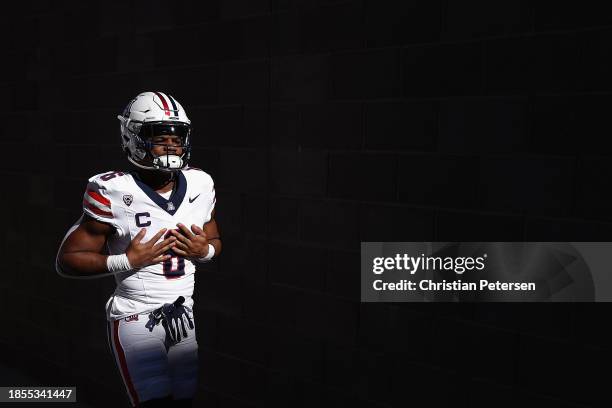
150 365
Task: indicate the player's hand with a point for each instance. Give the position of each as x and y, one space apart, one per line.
190 244
141 254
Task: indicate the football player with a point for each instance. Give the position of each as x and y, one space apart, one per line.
147 227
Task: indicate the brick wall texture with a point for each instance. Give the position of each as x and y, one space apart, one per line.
324 123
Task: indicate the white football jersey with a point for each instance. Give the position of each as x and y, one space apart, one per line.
122 200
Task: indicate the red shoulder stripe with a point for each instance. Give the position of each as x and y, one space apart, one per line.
96 196
97 210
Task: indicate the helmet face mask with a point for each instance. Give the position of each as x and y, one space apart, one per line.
147 117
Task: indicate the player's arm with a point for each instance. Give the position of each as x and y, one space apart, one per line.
82 253
212 234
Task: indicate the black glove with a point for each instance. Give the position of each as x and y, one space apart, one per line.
173 317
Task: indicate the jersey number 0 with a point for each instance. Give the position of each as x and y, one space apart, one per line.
174 266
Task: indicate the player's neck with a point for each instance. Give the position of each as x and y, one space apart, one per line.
157 180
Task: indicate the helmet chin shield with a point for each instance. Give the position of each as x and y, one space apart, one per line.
168 162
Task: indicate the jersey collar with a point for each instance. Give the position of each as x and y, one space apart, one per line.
170 205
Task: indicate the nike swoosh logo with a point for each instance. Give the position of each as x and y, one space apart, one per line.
191 200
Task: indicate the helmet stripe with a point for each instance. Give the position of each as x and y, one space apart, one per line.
175 108
166 108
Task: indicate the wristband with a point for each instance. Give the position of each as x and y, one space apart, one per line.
208 257
118 263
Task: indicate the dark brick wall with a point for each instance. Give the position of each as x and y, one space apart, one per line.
324 123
